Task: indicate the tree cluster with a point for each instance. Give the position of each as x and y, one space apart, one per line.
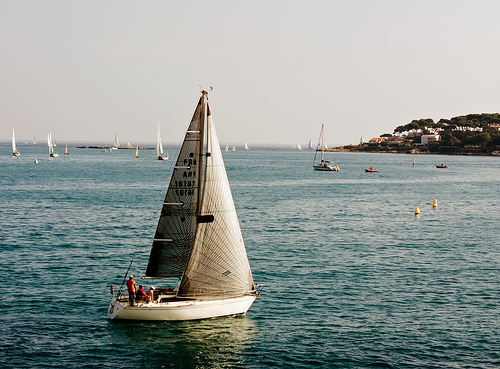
473 131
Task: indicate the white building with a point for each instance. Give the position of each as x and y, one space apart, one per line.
425 139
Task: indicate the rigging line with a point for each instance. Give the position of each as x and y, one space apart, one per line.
124 278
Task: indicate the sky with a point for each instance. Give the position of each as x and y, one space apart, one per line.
88 70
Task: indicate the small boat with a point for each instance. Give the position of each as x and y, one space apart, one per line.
371 170
198 239
14 149
159 146
51 143
137 152
66 151
323 165
441 166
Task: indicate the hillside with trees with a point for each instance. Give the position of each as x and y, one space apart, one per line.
472 134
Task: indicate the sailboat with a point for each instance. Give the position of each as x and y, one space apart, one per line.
66 150
50 144
116 143
246 146
137 152
14 149
323 164
159 146
227 147
198 239
298 146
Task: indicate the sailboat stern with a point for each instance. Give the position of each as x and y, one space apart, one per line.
115 307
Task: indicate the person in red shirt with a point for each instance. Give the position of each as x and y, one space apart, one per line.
140 295
132 287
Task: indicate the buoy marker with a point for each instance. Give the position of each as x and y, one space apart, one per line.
417 211
435 203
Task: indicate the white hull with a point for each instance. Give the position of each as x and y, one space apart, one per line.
180 310
328 168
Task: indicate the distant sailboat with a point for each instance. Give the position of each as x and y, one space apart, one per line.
246 146
116 143
309 145
66 150
137 152
298 146
129 145
50 144
198 239
227 147
323 165
234 148
14 149
34 141
159 146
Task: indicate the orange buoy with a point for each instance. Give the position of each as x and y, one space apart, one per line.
435 203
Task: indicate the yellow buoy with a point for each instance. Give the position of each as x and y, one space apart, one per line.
36 161
417 211
435 203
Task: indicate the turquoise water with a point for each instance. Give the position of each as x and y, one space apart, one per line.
353 278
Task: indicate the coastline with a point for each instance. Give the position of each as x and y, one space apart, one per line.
414 150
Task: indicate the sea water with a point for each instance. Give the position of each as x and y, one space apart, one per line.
353 279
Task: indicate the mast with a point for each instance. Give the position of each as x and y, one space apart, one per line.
320 144
200 158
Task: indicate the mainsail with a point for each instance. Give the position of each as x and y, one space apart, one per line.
159 146
14 149
177 224
198 236
50 143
